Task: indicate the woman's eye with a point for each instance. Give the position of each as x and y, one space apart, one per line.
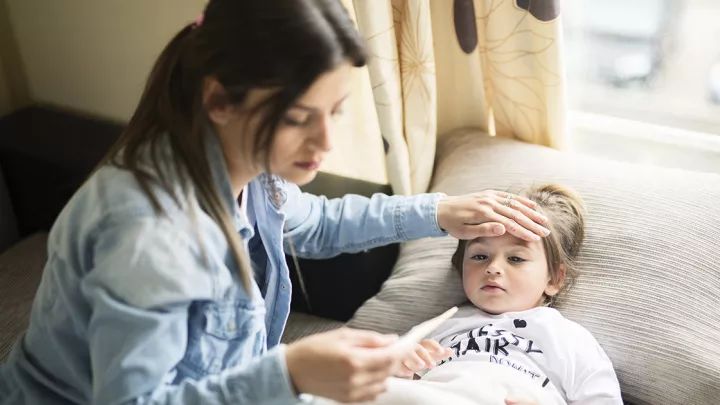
516 259
479 257
336 115
296 121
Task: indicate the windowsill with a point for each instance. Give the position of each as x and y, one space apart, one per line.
644 143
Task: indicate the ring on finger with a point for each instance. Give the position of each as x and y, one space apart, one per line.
508 201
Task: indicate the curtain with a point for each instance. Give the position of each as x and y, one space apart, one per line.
439 65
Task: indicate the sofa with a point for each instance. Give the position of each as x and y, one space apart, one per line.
649 288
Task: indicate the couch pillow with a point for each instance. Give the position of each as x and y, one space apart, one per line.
649 288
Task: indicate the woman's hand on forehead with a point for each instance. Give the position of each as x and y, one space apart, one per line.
491 213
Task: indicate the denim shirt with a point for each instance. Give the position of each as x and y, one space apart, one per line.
136 308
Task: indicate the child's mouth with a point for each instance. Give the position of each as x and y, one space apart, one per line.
492 289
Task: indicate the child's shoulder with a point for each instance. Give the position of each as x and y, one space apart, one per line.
577 336
567 326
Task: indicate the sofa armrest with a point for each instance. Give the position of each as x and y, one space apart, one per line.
8 226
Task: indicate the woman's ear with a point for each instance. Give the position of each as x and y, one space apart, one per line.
214 98
555 284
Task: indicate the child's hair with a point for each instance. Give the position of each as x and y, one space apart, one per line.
283 45
565 211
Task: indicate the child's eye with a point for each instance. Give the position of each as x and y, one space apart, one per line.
516 259
479 257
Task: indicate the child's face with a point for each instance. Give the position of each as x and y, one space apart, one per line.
506 274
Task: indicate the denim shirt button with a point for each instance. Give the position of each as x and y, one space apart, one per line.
231 326
283 287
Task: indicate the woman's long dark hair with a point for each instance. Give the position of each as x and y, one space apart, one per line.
244 44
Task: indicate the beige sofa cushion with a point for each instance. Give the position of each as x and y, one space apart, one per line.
649 288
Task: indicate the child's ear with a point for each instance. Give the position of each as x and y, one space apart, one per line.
554 286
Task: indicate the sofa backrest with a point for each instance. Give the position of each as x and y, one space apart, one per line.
45 155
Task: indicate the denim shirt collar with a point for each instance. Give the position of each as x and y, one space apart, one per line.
218 168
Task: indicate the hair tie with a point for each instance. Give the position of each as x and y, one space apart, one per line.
198 22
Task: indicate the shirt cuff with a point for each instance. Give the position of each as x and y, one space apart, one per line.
300 398
437 222
271 383
417 217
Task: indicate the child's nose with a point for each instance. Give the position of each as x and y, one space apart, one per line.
494 268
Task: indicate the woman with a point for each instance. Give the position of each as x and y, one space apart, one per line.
149 294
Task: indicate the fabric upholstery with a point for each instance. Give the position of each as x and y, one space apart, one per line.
21 268
300 325
649 288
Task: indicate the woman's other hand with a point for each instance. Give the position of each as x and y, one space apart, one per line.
490 213
345 365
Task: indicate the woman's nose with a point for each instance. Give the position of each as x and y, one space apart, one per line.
323 138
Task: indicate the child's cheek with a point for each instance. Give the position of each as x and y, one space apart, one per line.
471 277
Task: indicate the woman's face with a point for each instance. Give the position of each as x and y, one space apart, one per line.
304 135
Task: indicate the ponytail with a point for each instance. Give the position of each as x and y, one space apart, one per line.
170 109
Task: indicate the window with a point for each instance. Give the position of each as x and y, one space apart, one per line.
654 63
